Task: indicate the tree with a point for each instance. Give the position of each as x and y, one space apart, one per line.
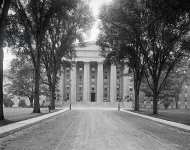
164 45
120 38
178 77
4 8
22 103
160 39
21 76
28 24
7 101
59 38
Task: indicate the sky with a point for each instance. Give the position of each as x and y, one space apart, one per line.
95 5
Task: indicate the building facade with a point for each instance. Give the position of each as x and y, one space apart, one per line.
88 79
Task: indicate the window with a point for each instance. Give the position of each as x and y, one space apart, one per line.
67 76
68 88
80 89
105 95
67 70
80 69
80 77
118 97
67 96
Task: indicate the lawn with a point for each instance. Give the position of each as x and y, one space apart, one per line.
19 114
176 115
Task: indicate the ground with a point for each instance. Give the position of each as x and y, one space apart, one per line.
176 115
18 114
97 130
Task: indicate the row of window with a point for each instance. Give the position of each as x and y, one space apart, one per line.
93 81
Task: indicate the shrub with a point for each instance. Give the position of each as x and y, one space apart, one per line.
7 101
166 103
22 103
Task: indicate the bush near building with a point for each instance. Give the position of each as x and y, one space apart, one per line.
22 103
7 101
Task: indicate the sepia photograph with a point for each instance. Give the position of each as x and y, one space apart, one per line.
94 74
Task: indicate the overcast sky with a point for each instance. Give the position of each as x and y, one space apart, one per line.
95 6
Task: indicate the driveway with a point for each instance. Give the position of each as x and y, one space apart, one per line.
92 129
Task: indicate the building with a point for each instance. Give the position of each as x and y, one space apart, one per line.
89 79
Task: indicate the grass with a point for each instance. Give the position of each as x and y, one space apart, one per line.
18 114
176 115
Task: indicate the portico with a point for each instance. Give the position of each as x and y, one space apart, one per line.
89 79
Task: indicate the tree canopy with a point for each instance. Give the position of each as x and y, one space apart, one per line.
150 40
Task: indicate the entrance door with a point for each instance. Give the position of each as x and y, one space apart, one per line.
93 97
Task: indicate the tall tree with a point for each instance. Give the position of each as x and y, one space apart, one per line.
4 8
30 21
120 37
59 38
21 79
160 38
175 82
164 45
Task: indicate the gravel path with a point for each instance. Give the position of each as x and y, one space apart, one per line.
97 130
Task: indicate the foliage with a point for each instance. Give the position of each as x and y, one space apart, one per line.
28 24
22 103
21 79
154 41
166 39
59 38
7 101
167 103
119 38
179 76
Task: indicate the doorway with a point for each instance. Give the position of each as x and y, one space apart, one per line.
93 97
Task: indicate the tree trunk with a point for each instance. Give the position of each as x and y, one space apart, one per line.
136 91
37 80
53 97
1 84
155 103
137 83
51 88
3 15
176 101
31 100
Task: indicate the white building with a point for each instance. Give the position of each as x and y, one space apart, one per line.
89 79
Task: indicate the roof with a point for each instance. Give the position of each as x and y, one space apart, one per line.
87 52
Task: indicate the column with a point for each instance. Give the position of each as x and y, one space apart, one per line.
100 83
73 83
86 82
113 82
125 81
